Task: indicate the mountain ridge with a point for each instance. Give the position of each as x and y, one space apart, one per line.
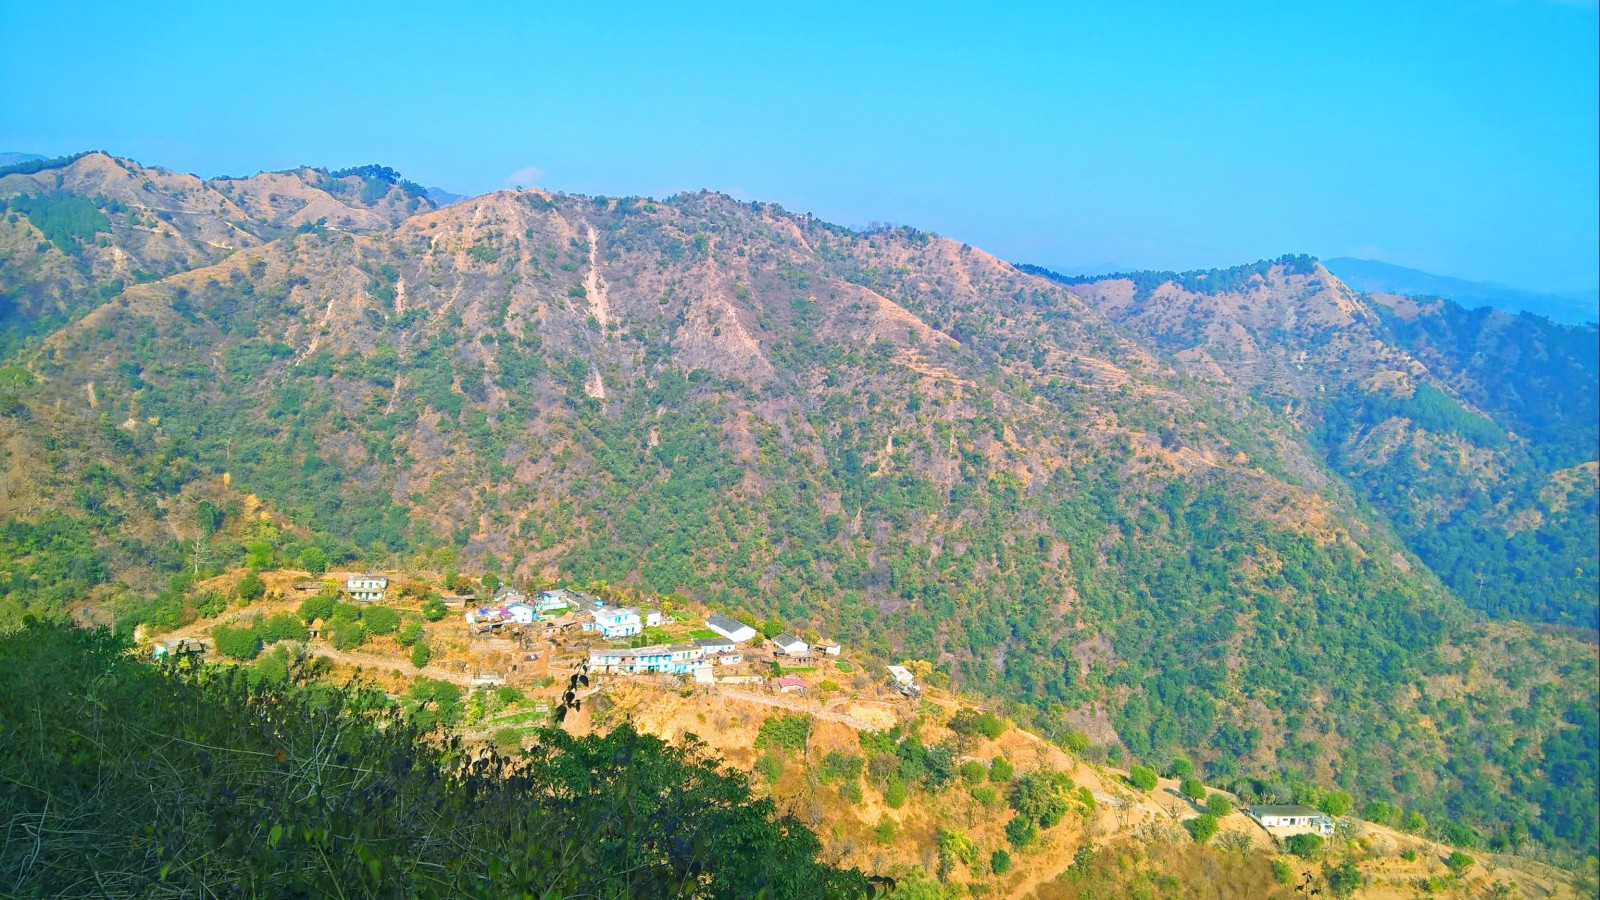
1122 505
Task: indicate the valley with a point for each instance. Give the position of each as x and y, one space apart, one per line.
1314 543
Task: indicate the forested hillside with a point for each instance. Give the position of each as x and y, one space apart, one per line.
1165 519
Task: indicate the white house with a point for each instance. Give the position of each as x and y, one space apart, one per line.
789 684
1292 819
520 613
631 661
832 649
366 588
789 645
653 617
902 676
713 646
509 596
549 601
729 659
732 629
615 622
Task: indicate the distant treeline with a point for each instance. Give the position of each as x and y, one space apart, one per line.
1204 281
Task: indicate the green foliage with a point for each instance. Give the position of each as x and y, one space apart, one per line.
1001 771
409 633
885 830
1021 831
1218 805
1305 846
434 609
283 627
420 654
251 587
1181 768
971 722
1202 828
348 634
1343 879
1282 872
67 220
1143 778
786 732
236 642
380 619
1000 862
837 766
1335 803
49 563
974 772
313 560
318 606
895 794
1459 862
396 813
1192 789
954 847
1037 796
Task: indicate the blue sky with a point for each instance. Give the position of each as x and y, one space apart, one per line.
1456 137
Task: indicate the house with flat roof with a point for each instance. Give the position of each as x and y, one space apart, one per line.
1285 819
711 646
732 629
366 588
615 622
631 660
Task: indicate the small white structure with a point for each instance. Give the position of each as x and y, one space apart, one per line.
729 659
732 629
789 645
520 613
832 649
550 601
366 588
615 622
902 676
713 646
653 617
789 684
1292 819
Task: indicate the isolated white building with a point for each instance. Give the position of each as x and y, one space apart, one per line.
732 629
366 588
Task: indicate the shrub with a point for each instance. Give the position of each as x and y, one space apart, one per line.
985 795
850 792
1180 768
1021 831
841 766
210 604
237 643
317 607
1458 862
508 740
313 560
283 627
348 635
1000 862
1142 777
420 654
1305 846
251 587
788 732
1202 828
884 833
1001 771
1218 805
380 620
1336 803
433 609
1076 742
971 722
894 794
973 771
410 634
1415 822
1282 872
1192 789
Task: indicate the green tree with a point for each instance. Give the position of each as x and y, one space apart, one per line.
251 587
380 620
13 379
1202 828
283 627
954 847
348 635
1305 846
1344 879
1459 862
894 793
1218 805
420 654
313 560
1000 771
433 608
1143 778
237 643
1180 768
319 606
410 633
884 833
1000 862
1192 789
1021 831
974 772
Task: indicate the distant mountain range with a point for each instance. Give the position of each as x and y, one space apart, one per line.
1372 276
11 158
